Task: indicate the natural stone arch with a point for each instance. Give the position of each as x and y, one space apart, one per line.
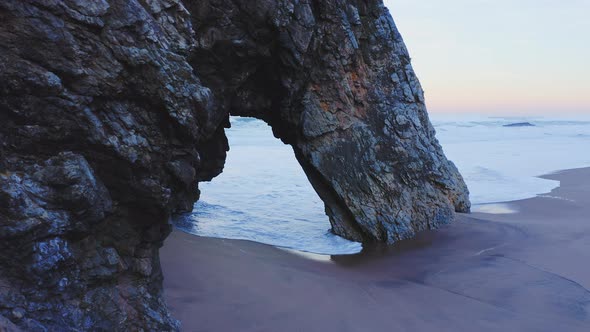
334 80
112 112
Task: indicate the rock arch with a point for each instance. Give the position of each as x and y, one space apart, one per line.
334 80
112 111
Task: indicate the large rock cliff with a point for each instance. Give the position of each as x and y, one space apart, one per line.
334 80
112 111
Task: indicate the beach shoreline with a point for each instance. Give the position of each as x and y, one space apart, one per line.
486 272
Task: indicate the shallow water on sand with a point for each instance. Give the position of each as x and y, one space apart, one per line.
264 196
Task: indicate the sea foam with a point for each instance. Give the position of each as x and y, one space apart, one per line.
264 196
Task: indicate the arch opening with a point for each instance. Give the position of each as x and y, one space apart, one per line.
263 195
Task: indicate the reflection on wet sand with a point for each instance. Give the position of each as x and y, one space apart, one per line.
524 271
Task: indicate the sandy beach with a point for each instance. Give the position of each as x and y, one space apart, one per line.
525 271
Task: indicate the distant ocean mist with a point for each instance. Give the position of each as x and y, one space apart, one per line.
264 196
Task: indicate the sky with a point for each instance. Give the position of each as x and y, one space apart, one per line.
522 57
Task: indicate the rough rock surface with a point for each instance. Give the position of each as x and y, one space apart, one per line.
101 122
334 80
112 111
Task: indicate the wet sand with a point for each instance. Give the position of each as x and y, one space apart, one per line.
526 271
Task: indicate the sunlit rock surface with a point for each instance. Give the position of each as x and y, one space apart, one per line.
113 111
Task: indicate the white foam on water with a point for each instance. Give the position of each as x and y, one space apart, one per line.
264 196
494 208
502 164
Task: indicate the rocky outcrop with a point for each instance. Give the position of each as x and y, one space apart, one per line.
519 124
112 111
334 80
102 118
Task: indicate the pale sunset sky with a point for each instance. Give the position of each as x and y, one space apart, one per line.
521 57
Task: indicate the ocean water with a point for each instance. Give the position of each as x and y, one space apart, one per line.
502 163
264 196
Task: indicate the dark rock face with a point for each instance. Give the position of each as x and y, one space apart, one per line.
112 111
334 80
102 118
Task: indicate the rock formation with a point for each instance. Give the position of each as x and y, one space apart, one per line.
112 111
334 80
519 124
